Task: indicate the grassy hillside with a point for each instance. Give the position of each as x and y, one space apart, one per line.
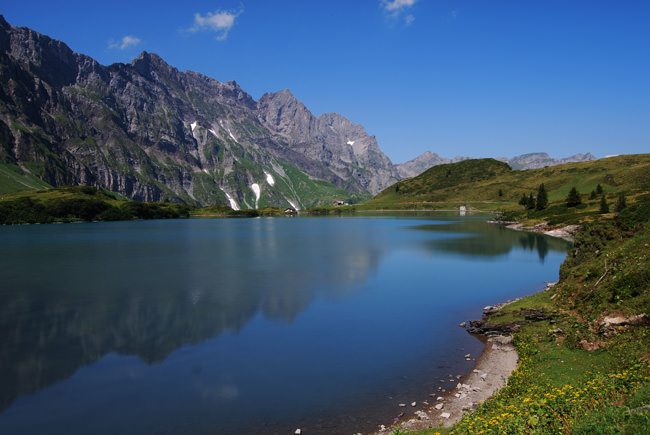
585 362
85 203
79 203
14 179
487 184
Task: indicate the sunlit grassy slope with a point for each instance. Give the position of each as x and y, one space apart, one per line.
488 184
79 203
580 372
13 179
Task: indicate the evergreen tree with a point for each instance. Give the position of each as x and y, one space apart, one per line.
599 189
604 208
524 200
573 198
620 203
542 198
500 192
531 202
593 195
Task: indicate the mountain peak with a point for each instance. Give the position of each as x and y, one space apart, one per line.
285 92
146 63
284 96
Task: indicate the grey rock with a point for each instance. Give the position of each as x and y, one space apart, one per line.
153 133
540 160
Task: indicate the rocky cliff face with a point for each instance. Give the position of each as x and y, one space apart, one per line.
345 148
151 132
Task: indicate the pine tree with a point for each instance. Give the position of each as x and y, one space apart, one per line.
593 195
531 202
524 200
542 198
620 203
604 208
599 189
573 199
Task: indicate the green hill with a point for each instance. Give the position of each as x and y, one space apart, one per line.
80 203
585 361
488 184
14 179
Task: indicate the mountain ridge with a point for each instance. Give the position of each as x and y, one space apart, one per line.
536 160
150 132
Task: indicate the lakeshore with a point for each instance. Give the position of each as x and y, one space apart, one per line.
490 373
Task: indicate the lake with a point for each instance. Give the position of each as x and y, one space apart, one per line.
237 326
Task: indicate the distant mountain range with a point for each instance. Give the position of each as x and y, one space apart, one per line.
525 161
153 133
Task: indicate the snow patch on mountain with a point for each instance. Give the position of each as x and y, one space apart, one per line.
256 189
233 203
269 178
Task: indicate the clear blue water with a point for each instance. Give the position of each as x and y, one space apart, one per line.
246 325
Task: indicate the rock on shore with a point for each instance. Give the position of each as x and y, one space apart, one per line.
490 373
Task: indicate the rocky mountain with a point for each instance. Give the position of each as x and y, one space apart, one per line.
540 160
346 147
151 132
428 160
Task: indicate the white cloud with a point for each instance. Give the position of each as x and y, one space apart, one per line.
396 9
219 21
396 5
126 42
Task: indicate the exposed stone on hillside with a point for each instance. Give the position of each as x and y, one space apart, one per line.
540 160
341 145
151 132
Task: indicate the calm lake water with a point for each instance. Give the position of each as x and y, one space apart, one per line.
246 325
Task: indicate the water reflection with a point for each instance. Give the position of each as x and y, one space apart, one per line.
72 294
482 239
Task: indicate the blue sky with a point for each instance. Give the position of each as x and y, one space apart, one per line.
456 77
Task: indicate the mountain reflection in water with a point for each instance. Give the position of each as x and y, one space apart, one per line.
73 295
479 238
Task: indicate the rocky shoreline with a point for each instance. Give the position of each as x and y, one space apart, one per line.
490 373
493 367
566 232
